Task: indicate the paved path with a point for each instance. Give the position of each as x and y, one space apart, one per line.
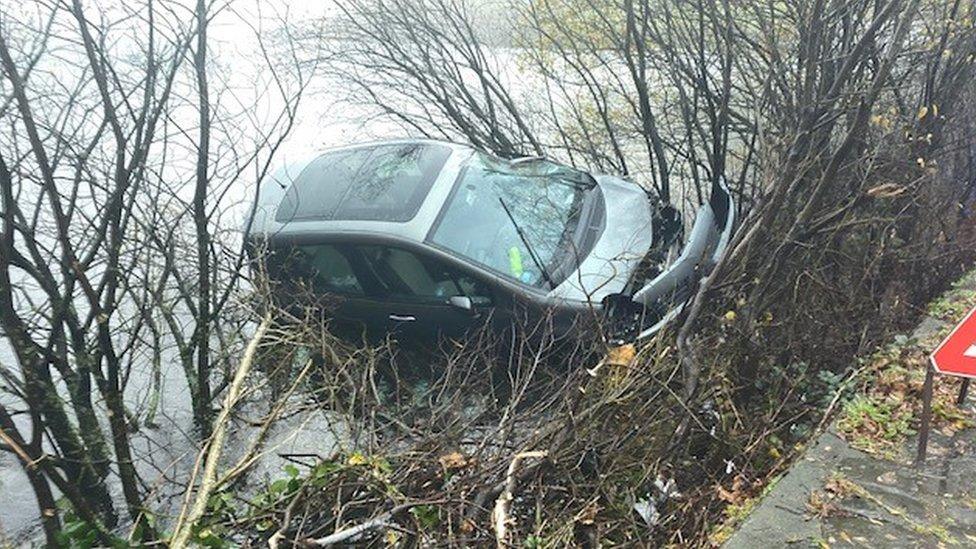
837 496
899 506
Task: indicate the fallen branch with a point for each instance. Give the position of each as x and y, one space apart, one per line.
491 492
184 523
354 532
252 454
503 504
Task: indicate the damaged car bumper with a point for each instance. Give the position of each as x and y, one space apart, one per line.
657 295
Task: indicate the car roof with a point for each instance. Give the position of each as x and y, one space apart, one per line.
274 188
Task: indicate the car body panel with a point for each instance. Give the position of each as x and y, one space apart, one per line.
626 238
360 317
356 315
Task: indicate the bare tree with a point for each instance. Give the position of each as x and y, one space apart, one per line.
423 64
93 254
842 127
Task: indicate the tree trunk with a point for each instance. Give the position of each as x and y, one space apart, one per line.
202 412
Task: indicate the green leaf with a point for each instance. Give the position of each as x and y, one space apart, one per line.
74 528
278 486
428 516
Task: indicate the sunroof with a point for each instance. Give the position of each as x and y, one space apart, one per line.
374 183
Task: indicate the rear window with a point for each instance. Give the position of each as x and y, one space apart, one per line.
379 183
322 267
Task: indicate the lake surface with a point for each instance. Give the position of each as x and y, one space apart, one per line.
165 453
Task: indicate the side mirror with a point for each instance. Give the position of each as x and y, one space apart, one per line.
462 302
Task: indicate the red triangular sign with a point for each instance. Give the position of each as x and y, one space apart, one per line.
957 354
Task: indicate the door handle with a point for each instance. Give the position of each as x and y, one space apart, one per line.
402 318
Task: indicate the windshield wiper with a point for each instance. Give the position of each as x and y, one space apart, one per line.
528 247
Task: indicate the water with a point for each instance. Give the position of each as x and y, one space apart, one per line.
165 453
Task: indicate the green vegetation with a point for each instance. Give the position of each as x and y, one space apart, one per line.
229 515
80 534
876 426
885 411
732 517
954 304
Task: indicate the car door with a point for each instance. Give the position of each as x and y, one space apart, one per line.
417 291
328 276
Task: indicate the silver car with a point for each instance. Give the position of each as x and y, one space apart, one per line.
427 238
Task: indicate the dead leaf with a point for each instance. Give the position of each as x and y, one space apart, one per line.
454 460
819 504
622 355
726 496
735 496
888 478
588 515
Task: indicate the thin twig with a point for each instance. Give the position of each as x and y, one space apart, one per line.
184 523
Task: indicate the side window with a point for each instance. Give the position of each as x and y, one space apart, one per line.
403 274
478 291
323 266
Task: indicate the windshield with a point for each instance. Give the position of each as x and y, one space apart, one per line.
516 218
